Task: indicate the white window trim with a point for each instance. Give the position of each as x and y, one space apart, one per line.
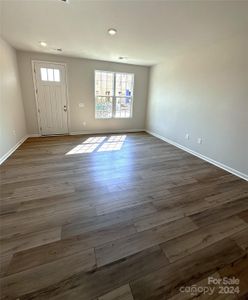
114 97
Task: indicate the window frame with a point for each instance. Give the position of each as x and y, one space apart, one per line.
114 96
47 75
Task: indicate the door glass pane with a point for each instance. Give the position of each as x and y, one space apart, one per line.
56 75
50 74
43 73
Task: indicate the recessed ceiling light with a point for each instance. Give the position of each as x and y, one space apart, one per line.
43 44
112 31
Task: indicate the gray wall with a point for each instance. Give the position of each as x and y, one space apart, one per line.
204 93
12 118
81 89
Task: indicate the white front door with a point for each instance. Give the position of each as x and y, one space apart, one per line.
51 98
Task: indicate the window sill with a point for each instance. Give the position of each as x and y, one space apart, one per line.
117 118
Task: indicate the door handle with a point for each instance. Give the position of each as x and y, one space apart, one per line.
65 108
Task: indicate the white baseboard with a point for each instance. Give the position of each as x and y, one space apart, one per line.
105 131
89 132
18 144
34 135
210 160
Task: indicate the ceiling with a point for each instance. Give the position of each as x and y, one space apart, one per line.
148 31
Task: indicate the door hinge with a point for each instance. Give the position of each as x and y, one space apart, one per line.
36 90
38 110
40 128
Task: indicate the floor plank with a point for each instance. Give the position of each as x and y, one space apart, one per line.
132 244
87 286
68 246
158 218
122 293
238 270
214 214
201 238
100 222
166 281
111 219
241 239
47 274
244 215
31 240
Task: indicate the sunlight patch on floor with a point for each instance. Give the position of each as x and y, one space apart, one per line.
86 148
117 138
114 143
95 139
110 147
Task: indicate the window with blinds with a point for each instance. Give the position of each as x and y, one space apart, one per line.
113 95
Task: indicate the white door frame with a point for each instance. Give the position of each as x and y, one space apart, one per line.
36 96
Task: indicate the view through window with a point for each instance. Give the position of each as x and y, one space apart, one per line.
113 95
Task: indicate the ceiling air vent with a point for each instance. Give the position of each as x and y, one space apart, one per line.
57 49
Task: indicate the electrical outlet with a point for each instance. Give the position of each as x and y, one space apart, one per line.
81 105
199 140
187 136
84 123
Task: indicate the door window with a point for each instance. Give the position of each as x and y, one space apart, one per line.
48 74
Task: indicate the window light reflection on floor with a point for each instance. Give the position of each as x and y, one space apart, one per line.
117 138
110 146
95 139
113 143
85 148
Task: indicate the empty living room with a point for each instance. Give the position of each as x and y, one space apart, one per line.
124 149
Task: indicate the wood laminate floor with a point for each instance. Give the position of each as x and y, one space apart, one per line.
122 216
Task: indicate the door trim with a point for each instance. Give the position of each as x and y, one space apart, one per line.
36 97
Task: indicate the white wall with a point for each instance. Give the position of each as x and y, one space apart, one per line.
81 89
204 93
12 118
